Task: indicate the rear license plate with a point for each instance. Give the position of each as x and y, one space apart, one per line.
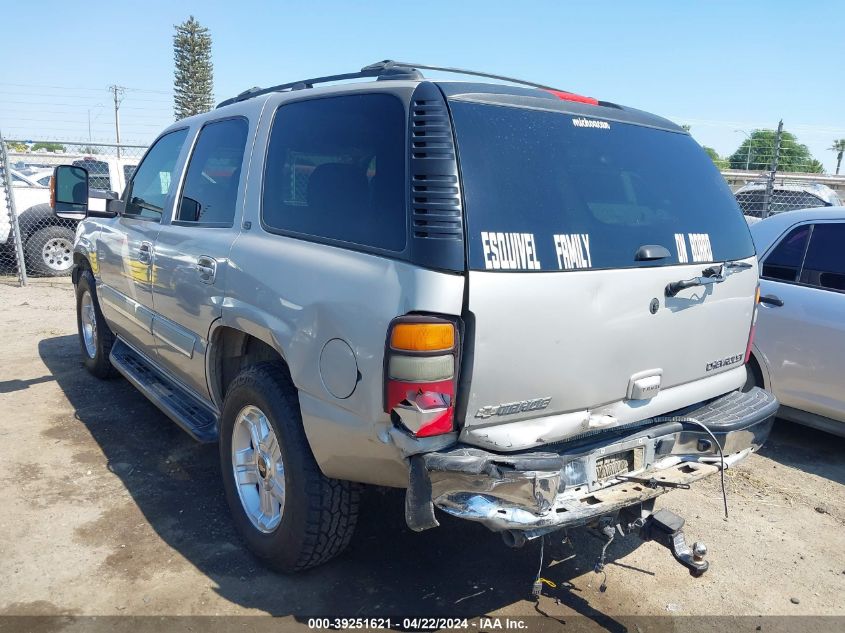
618 464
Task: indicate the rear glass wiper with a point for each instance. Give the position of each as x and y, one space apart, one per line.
711 275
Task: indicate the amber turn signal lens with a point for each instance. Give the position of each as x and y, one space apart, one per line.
757 295
423 337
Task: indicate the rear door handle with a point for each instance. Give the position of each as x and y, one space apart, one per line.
145 253
772 300
207 269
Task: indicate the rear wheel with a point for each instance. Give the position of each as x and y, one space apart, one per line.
290 514
49 251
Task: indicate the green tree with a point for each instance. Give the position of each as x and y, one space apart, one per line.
757 151
193 80
50 147
721 163
838 147
16 146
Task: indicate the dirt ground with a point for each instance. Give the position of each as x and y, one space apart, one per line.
107 508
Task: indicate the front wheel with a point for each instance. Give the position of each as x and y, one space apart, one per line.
95 337
49 251
290 514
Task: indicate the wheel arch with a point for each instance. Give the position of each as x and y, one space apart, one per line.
758 363
231 350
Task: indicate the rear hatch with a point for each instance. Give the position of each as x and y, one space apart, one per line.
567 322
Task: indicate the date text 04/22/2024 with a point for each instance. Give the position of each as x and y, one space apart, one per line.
485 623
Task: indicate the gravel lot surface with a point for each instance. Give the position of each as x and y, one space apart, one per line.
107 508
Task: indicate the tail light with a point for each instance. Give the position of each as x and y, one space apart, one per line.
753 325
420 374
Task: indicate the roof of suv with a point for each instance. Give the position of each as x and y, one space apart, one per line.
821 191
525 94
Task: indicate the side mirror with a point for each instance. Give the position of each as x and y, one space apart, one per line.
69 192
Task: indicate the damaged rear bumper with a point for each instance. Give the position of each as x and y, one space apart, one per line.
588 477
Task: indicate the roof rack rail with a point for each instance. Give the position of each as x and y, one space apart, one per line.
386 69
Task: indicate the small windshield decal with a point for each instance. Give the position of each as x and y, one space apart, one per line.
582 122
699 247
509 251
573 251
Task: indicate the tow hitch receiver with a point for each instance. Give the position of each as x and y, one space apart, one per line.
665 527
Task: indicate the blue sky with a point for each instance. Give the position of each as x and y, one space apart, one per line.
719 66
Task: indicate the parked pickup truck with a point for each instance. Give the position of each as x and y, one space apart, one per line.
47 240
529 308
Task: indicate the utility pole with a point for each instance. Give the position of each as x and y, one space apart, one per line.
770 184
117 91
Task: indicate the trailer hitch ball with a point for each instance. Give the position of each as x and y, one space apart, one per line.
665 527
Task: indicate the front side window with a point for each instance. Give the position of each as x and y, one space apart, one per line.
214 170
155 177
784 263
824 265
336 169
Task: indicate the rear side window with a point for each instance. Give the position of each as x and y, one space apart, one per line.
751 202
551 191
98 173
214 172
784 263
336 169
824 265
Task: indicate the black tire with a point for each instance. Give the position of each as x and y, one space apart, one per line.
59 262
99 363
319 514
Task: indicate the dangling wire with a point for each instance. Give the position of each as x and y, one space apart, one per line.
721 458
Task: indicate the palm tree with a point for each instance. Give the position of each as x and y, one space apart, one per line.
838 147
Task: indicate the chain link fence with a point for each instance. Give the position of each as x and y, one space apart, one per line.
33 241
772 172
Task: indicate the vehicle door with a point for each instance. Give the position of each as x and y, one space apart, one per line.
125 259
192 250
801 329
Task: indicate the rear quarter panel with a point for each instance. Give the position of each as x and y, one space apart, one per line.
298 296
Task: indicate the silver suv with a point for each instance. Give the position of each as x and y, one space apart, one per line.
529 308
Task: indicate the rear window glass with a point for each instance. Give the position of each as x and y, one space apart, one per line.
98 173
336 169
552 191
